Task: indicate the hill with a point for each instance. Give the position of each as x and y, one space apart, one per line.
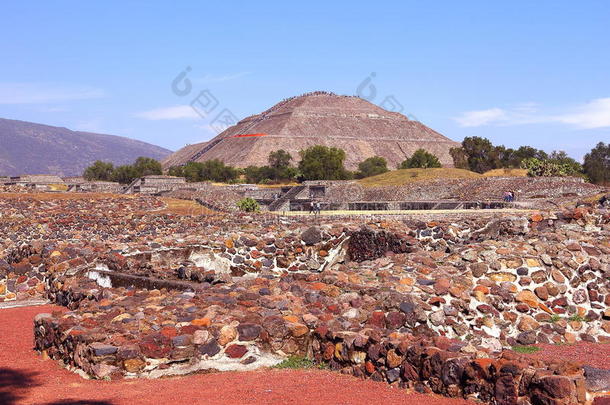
29 148
355 125
406 176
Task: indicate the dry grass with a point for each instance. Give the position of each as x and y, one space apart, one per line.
183 207
405 176
58 187
277 185
506 173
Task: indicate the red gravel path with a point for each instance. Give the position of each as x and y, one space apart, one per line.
26 379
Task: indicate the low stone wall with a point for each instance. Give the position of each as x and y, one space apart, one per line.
22 274
444 367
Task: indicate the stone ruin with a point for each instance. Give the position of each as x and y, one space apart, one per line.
39 182
155 184
433 306
438 194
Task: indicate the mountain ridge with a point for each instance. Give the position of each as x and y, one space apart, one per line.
33 148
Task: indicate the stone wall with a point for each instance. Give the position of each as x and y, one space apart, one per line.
442 366
22 274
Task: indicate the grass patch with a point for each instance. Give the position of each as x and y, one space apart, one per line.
526 349
554 318
577 318
406 176
298 363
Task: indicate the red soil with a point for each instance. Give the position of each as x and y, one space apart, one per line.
27 379
591 354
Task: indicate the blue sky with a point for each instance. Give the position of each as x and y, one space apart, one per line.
516 72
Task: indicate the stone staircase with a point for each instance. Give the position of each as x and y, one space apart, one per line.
278 205
205 149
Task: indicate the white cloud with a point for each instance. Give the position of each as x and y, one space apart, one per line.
179 112
595 114
36 93
481 117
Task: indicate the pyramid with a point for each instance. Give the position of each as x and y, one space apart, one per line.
353 124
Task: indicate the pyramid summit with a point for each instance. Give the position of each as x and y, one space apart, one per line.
353 124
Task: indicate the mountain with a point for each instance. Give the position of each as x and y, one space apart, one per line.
355 125
29 148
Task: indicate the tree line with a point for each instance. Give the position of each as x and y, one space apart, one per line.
327 163
124 174
480 155
317 162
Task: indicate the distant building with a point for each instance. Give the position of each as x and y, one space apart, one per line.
96 187
43 182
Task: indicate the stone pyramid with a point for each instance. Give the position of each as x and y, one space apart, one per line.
355 125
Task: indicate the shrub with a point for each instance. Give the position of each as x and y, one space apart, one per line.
248 205
547 168
421 159
323 163
372 166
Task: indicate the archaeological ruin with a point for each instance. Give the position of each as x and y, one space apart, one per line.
433 303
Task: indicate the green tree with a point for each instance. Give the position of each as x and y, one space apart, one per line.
372 166
322 163
480 154
506 156
124 174
526 152
252 174
267 174
190 171
460 159
216 170
99 171
145 166
279 159
422 159
597 164
177 171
